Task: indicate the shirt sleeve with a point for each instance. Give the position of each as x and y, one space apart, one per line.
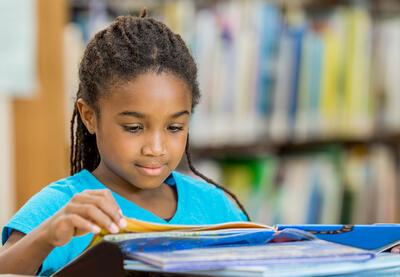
40 207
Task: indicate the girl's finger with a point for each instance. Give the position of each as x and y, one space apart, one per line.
82 225
93 213
105 204
396 249
103 193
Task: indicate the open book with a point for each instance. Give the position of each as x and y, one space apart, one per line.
205 247
375 237
139 226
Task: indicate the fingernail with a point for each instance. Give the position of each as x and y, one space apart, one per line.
122 223
113 228
95 229
395 250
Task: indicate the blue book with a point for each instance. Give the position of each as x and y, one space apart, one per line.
384 264
296 34
270 254
270 29
216 249
178 240
375 237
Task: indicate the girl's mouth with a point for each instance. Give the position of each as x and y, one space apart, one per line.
150 171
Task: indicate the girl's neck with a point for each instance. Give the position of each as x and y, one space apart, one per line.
119 185
161 201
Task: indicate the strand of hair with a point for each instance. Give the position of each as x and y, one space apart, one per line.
143 13
208 180
71 158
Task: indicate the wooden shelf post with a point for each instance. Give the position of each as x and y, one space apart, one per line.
39 124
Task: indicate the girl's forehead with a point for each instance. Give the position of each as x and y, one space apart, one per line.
150 90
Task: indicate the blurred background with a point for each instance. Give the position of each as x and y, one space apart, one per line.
300 108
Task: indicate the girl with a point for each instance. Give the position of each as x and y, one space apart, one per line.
129 130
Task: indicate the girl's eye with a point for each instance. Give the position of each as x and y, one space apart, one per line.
175 129
133 128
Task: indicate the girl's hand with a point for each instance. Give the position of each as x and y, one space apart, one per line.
85 212
396 249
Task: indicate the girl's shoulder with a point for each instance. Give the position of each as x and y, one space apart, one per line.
74 184
43 205
55 195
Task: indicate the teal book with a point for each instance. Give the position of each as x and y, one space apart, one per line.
270 28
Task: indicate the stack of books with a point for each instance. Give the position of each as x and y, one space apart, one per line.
246 249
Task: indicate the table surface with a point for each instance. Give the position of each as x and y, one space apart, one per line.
14 275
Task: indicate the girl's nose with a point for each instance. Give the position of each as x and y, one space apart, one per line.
154 145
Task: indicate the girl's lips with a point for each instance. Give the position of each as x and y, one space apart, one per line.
151 171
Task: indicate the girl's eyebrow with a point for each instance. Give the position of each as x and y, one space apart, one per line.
141 115
132 113
178 114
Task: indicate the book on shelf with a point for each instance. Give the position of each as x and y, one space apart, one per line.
386 62
332 74
314 182
331 184
353 184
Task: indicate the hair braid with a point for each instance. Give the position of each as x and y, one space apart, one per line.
143 13
121 28
208 180
73 147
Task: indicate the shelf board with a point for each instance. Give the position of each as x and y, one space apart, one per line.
250 150
281 148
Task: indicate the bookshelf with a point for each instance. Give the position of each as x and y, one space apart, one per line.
300 100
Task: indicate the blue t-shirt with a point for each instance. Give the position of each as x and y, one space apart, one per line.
198 203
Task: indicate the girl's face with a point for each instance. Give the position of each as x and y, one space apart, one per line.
142 129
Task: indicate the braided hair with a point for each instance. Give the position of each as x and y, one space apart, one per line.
129 47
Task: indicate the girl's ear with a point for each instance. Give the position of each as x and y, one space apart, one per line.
88 115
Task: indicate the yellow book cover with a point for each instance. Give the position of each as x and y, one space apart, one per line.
330 71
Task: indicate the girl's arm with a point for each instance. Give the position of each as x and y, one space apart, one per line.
23 254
